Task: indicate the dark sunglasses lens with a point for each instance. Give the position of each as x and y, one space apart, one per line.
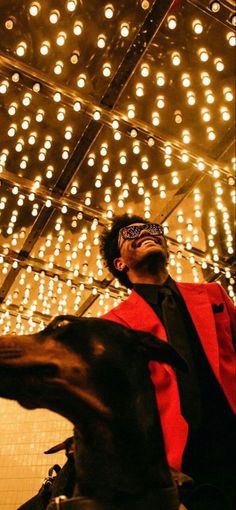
154 228
134 230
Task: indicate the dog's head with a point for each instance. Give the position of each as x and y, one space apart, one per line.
78 362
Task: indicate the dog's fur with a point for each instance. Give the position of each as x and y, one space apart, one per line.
95 373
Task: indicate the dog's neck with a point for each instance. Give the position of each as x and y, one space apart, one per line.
122 458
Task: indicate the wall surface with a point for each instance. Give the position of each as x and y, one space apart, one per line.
24 435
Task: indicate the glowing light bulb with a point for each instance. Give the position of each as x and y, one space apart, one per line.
48 142
124 29
4 85
12 130
61 114
106 69
136 147
160 79
160 102
176 59
231 38
144 163
81 81
68 133
21 49
57 97
201 165
186 136
74 188
91 160
209 96
215 6
197 26
175 178
140 188
65 152
155 118
76 106
44 49
61 38
20 144
78 27
139 90
96 115
58 67
171 22
131 111
71 5
15 77
109 11
203 55
123 158
206 116
101 42
54 16
32 138
186 80
155 182
191 98
117 181
228 94
12 109
178 116
211 134
145 70
205 78
225 114
34 9
162 192
184 157
9 24
134 177
219 64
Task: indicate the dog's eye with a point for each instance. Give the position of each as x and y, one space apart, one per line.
61 323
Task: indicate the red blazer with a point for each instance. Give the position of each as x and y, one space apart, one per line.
215 331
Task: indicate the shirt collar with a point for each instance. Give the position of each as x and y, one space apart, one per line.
149 291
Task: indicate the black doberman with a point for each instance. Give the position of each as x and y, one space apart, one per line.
95 373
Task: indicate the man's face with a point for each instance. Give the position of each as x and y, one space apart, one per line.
147 244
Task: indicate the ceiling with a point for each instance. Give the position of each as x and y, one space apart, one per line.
107 108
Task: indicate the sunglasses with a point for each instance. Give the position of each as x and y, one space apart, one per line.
133 231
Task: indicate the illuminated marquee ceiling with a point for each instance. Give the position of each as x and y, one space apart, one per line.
107 108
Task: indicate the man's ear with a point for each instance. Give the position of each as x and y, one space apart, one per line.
155 349
119 264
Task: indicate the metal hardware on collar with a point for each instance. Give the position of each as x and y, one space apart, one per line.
58 500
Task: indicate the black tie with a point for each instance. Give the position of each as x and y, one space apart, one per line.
177 334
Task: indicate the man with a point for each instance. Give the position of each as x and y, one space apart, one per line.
197 407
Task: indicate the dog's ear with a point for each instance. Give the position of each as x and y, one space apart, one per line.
155 349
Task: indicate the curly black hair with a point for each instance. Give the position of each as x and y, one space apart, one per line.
109 245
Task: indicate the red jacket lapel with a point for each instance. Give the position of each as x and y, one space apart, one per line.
198 304
138 314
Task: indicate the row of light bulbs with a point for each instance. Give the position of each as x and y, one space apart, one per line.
109 10
186 137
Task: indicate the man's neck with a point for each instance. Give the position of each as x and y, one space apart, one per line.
154 279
